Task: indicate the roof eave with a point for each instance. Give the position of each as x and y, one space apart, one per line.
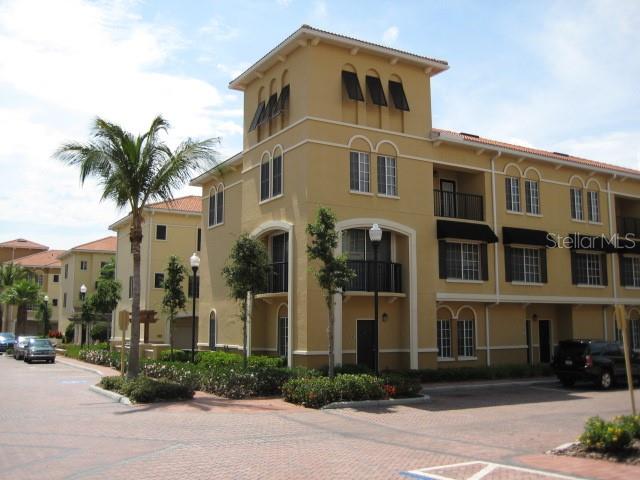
214 172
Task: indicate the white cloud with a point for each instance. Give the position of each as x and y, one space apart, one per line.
219 30
284 3
320 10
63 66
233 71
390 35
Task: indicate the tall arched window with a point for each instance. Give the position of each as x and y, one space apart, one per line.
216 205
271 174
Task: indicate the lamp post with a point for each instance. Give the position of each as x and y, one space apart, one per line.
45 319
375 235
195 263
83 295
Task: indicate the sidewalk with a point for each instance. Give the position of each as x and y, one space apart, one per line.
581 467
435 386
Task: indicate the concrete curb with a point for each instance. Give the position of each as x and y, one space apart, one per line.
561 448
116 397
379 403
80 367
452 386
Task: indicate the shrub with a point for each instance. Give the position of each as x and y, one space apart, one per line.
99 332
72 351
69 333
178 356
602 435
216 359
179 372
348 368
401 385
630 423
480 373
145 390
315 392
54 334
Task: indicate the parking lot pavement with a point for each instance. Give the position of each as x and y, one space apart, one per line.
52 426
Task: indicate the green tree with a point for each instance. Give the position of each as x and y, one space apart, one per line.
174 298
107 294
22 293
246 271
9 274
45 319
134 170
333 274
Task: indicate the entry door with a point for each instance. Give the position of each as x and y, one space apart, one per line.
366 349
544 330
448 189
528 333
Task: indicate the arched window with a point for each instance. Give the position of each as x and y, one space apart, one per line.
576 198
216 205
271 167
593 201
532 191
466 331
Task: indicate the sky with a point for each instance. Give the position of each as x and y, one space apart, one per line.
558 75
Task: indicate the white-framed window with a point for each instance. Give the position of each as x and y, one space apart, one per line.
589 268
216 207
593 206
576 204
283 336
270 177
161 232
512 187
630 270
39 279
84 265
444 338
526 264
359 170
532 196
463 261
466 343
158 280
387 176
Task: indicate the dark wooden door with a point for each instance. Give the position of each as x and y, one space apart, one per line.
544 330
366 352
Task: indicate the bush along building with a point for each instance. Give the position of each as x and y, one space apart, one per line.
490 252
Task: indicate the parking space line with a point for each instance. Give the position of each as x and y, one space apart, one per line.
487 468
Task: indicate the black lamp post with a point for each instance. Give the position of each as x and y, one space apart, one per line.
83 338
375 235
195 263
45 319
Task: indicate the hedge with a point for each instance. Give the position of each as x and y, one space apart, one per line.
456 374
146 390
316 392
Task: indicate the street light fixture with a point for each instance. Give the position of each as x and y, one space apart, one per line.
45 320
83 295
195 264
375 235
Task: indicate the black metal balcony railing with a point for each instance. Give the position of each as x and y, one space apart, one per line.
278 277
389 276
458 205
628 225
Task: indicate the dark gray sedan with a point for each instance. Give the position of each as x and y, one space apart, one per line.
20 346
39 349
7 339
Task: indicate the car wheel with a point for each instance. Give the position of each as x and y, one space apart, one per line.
605 380
567 382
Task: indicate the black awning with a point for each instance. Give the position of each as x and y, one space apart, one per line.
627 245
525 236
351 83
465 231
374 85
397 94
256 116
272 106
579 241
283 101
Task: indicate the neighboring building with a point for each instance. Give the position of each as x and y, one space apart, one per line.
81 265
20 247
168 229
466 272
44 269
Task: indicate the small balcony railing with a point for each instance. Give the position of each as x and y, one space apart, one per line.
458 205
389 276
278 278
628 225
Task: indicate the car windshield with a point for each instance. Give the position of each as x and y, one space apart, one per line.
573 348
40 342
7 336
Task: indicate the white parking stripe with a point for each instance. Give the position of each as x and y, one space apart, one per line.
488 468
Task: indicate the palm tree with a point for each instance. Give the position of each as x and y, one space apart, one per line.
22 293
134 170
9 274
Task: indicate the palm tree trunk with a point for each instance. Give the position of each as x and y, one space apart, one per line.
135 237
331 333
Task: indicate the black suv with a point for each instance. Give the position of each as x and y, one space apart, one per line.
593 360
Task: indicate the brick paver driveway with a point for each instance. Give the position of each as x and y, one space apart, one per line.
52 426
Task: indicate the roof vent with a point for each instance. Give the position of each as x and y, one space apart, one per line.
469 135
561 154
23 240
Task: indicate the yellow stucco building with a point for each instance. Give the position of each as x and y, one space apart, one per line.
81 265
168 229
491 252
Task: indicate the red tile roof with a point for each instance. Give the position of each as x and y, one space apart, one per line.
23 243
190 203
535 151
106 244
50 258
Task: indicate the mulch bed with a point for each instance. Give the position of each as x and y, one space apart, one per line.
629 456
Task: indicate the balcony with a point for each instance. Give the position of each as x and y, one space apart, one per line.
389 276
628 225
467 206
278 280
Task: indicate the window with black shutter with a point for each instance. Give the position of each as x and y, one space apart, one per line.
463 261
397 94
374 87
283 100
272 107
256 116
588 268
352 85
